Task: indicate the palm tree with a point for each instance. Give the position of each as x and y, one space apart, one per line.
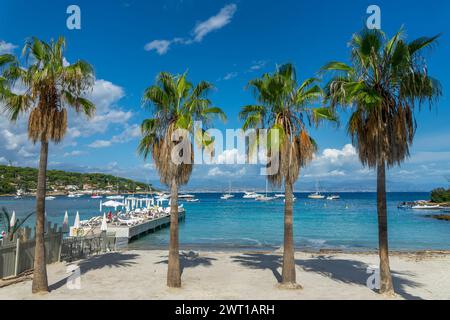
285 106
51 87
386 80
176 105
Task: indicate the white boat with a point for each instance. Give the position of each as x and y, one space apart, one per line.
333 197
266 197
186 196
193 200
115 197
426 207
279 195
74 195
316 196
50 198
96 196
227 195
251 195
162 196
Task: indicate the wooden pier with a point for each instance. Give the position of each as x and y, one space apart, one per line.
125 234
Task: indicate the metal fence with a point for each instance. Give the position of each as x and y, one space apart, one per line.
17 254
82 247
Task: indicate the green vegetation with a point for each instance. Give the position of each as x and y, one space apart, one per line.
5 223
440 195
15 178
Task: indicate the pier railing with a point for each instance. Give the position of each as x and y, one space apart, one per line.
76 248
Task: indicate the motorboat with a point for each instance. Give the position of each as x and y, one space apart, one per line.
264 198
333 197
50 198
115 197
406 205
192 200
251 195
316 196
74 195
280 195
96 196
186 196
19 195
426 207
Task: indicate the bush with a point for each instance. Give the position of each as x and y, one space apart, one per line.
440 195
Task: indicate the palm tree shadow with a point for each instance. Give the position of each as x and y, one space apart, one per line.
352 271
111 260
342 270
260 261
190 260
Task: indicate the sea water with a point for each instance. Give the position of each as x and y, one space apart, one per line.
349 223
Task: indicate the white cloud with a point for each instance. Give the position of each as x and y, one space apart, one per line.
105 95
231 156
160 46
74 153
226 172
128 134
214 23
100 144
6 47
257 65
334 163
230 76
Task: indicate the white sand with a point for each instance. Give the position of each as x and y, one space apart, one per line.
220 275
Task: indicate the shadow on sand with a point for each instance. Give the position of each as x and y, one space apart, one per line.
346 271
190 260
111 260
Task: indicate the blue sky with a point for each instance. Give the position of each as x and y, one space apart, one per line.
227 43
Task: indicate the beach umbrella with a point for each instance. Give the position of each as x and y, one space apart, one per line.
104 226
77 221
12 222
113 204
65 225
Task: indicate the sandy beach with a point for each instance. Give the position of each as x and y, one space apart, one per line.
251 275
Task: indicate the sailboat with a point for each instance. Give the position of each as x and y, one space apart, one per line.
251 195
266 197
316 195
118 196
228 195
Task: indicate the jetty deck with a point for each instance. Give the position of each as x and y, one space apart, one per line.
125 234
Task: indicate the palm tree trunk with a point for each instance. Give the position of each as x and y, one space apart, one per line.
40 283
386 286
174 272
288 273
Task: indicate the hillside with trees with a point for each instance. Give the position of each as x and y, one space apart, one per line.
13 179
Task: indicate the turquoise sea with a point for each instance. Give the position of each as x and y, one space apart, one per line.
212 223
